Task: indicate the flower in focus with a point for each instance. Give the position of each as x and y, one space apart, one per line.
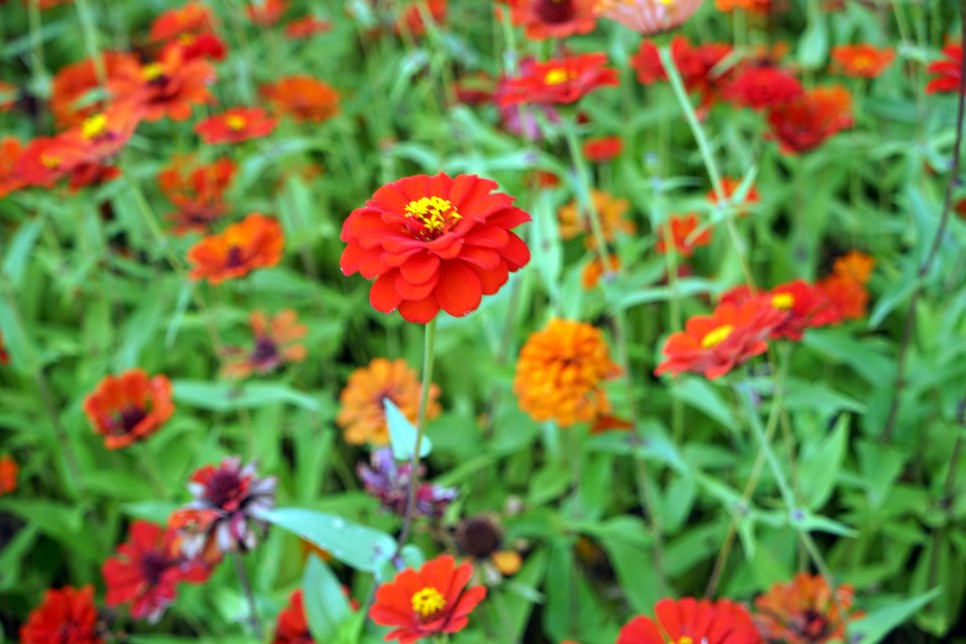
687 621
611 211
255 242
481 538
948 71
603 148
10 179
411 19
232 498
170 87
362 415
434 243
293 625
198 192
648 17
556 81
146 570
715 344
388 482
266 13
129 408
862 61
544 19
560 371
427 602
855 265
66 615
74 84
696 64
303 98
236 125
803 611
8 475
276 342
679 230
730 187
307 26
763 86
805 123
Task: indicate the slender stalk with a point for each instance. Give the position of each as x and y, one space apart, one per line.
249 595
90 37
569 127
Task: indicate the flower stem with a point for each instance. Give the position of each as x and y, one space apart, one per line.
249 595
584 196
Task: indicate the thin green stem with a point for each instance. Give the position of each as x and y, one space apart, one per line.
584 195
90 39
249 594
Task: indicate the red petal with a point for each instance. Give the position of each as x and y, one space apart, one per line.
383 295
458 290
419 268
419 311
516 253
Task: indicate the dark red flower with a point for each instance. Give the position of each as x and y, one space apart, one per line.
762 87
66 615
198 191
696 64
806 122
434 243
129 408
948 71
293 627
543 19
689 621
556 81
804 611
236 125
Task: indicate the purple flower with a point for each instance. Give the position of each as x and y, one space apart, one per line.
389 482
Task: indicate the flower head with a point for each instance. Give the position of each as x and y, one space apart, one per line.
236 125
276 342
855 265
198 192
543 19
611 211
410 19
603 148
559 81
66 615
427 602
253 243
389 482
803 611
266 13
756 7
560 371
763 86
10 179
169 87
696 63
8 475
303 98
803 124
307 26
690 621
293 625
680 229
480 537
648 17
129 407
948 71
362 415
434 243
805 306
47 160
73 86
862 61
102 136
848 297
191 18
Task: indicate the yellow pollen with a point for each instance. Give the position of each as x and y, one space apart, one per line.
186 39
716 336
783 301
558 75
94 127
49 161
434 212
152 72
685 640
236 122
428 602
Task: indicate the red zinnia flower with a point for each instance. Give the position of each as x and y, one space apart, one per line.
543 19
696 64
198 191
293 627
689 621
715 344
411 18
759 7
170 87
805 306
303 98
603 148
307 26
47 160
10 179
69 100
145 571
191 47
803 611
848 297
236 125
763 86
275 343
191 18
681 229
862 61
129 408
648 17
266 13
102 136
434 243
428 602
564 80
66 615
8 474
253 243
805 123
948 71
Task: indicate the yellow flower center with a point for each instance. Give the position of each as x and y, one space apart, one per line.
186 39
49 161
716 336
152 72
685 640
558 75
94 127
435 213
783 301
236 122
428 602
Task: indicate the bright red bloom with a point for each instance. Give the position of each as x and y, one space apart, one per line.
276 342
307 26
66 615
47 160
564 80
427 602
73 84
805 123
293 627
191 47
8 470
303 98
762 87
681 229
145 571
129 408
948 71
256 242
543 19
434 243
862 61
198 191
848 297
236 125
102 136
266 13
10 179
603 148
805 306
170 87
730 187
758 7
696 64
411 18
803 611
192 18
690 621
715 344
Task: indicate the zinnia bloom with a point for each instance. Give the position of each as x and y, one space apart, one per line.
681 231
306 27
266 13
47 160
757 7
434 243
170 87
687 621
427 602
847 296
293 626
146 570
198 191
715 344
948 71
611 211
253 243
8 475
763 86
66 615
862 61
803 611
559 81
648 17
73 84
192 18
10 179
276 342
236 125
362 415
805 123
388 482
806 307
543 19
129 407
696 64
560 371
603 148
855 265
102 136
303 98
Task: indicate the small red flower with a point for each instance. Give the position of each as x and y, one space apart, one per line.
948 71
192 18
806 122
559 81
544 19
411 19
293 627
193 47
47 160
10 179
198 191
434 243
146 570
306 27
170 87
862 61
848 297
276 342
66 615
8 475
256 242
803 611
303 98
763 86
236 125
129 408
266 13
603 148
690 621
696 64
74 86
805 306
681 231
427 602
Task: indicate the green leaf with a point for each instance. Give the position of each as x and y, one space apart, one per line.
820 466
326 607
19 251
403 434
697 393
880 622
229 396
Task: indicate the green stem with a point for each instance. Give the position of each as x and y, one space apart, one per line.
569 127
90 39
249 594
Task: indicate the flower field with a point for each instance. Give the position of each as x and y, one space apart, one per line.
549 321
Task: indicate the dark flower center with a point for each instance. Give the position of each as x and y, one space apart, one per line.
814 625
153 565
479 537
224 490
128 419
554 11
235 257
266 351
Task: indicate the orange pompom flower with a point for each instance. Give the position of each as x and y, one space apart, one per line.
803 611
236 125
303 98
10 179
948 71
276 342
255 242
170 87
8 475
681 231
434 243
544 19
427 602
559 81
129 407
862 61
362 415
611 211
803 124
648 17
690 621
198 192
66 615
560 371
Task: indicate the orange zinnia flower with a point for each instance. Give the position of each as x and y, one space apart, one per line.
948 71
275 343
427 602
803 611
603 148
688 620
253 243
848 297
236 125
307 26
715 344
559 81
729 187
434 243
681 229
103 135
8 475
648 17
266 13
69 100
611 211
198 191
544 19
170 87
303 98
855 265
862 61
805 123
560 371
362 415
192 18
10 179
47 160
129 407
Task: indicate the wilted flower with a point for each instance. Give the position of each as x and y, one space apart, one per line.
481 538
648 17
389 482
687 621
129 407
803 611
66 615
